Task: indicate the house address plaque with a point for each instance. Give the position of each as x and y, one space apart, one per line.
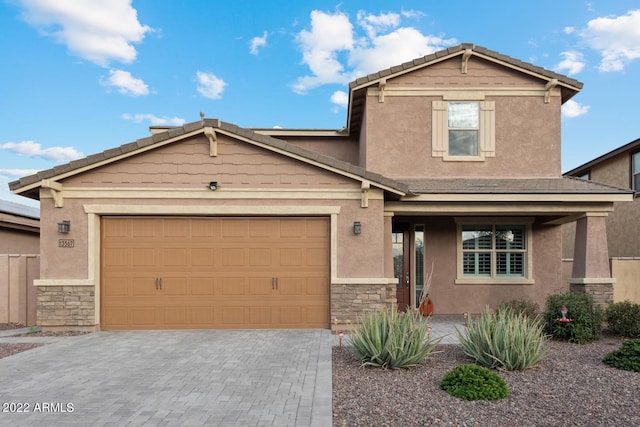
66 243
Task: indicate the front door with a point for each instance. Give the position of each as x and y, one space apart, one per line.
401 265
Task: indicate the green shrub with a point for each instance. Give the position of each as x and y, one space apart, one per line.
626 357
623 318
586 318
504 340
524 306
473 382
390 339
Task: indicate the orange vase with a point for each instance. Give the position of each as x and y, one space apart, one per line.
426 307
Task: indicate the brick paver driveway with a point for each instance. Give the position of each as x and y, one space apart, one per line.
172 378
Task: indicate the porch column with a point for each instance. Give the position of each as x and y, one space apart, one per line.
388 245
591 271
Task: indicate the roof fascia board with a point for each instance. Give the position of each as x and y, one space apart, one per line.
522 197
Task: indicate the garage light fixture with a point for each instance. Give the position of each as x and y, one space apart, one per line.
357 227
64 227
213 185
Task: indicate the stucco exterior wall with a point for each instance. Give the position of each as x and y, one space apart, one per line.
527 130
343 148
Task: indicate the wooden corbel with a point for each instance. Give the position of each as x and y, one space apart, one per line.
465 60
364 200
213 141
381 86
55 188
548 88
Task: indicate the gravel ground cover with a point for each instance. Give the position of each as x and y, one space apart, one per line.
570 387
8 349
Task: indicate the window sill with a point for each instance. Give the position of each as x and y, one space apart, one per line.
490 281
448 158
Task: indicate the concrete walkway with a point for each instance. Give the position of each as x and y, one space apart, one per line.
174 378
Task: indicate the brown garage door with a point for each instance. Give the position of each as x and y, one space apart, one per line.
202 273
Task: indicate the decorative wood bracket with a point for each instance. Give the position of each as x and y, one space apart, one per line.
213 141
548 88
381 85
364 200
55 188
465 60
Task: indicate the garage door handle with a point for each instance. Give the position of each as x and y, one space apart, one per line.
161 283
276 283
156 283
273 283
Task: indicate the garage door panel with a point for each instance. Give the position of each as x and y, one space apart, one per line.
216 273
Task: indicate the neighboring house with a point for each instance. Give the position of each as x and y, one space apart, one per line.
19 228
19 262
619 168
451 160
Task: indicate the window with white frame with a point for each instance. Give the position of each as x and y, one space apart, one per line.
494 252
635 172
463 122
463 130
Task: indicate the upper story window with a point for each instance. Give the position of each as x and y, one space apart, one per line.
585 176
463 130
463 119
635 171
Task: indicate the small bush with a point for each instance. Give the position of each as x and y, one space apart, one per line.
623 318
626 357
521 306
586 318
473 382
504 340
390 339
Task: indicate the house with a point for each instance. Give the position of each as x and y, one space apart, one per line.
451 160
19 228
19 262
619 168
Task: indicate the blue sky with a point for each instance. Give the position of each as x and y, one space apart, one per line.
82 76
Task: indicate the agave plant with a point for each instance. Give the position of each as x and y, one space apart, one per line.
391 339
505 339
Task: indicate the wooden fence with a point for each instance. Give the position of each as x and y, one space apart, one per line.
17 293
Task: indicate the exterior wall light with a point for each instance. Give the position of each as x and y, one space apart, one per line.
357 227
64 227
213 185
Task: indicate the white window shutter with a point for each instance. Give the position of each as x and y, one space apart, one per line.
440 133
488 128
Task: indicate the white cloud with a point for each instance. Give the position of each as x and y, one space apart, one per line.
100 31
340 98
18 173
572 109
336 52
31 149
569 30
573 62
210 86
126 84
154 120
616 38
258 42
329 35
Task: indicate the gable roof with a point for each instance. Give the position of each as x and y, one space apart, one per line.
28 186
582 169
357 88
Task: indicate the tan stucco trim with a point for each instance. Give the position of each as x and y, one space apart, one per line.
470 94
494 208
301 132
592 281
107 209
63 282
221 193
364 281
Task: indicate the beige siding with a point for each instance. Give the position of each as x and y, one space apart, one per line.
188 164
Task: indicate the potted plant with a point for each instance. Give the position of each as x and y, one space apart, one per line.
426 303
